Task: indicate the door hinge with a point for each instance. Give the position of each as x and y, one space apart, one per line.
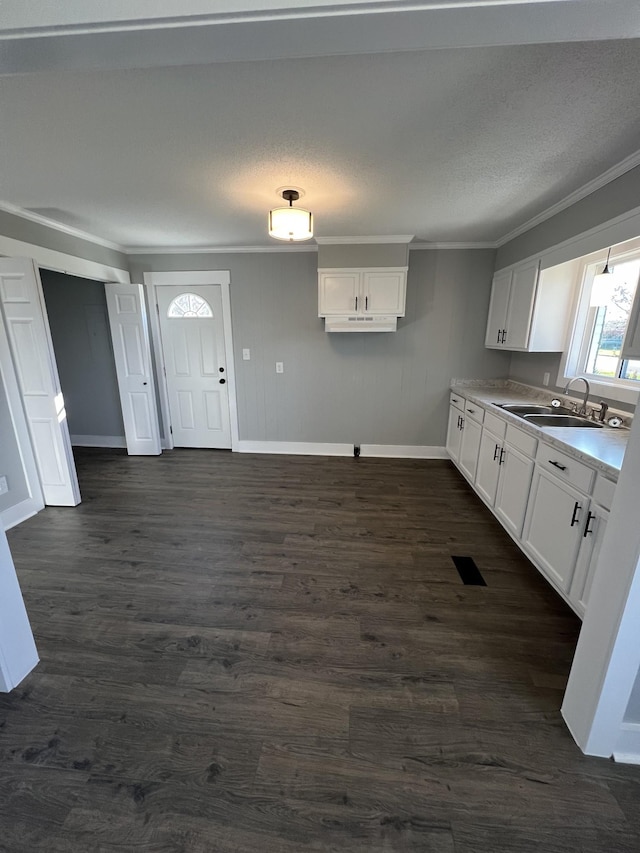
157 309
171 430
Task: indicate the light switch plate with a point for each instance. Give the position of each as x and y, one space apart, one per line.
279 367
246 355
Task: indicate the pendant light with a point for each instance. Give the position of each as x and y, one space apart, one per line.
290 223
602 285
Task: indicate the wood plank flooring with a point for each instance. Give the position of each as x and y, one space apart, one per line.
246 654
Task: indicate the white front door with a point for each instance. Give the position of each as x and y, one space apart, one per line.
132 355
192 329
29 337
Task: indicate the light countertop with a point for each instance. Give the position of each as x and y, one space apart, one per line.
603 449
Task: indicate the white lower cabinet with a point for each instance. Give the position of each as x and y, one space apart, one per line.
545 498
514 482
454 432
593 530
553 527
488 469
469 446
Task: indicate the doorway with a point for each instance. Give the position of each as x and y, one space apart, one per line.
194 356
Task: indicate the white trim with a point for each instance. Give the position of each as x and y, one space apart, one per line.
482 244
389 238
98 441
295 448
602 180
627 749
22 213
15 515
404 451
185 278
216 250
61 262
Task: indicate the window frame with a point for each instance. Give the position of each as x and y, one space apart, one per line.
576 350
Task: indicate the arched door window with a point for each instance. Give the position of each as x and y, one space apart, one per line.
189 305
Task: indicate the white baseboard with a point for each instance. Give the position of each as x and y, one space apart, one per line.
403 451
627 749
20 512
296 448
98 441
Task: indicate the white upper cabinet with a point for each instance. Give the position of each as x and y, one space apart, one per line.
529 309
338 292
370 292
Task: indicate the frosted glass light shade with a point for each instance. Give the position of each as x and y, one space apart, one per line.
601 289
290 223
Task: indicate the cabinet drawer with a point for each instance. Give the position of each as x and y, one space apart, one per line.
495 425
457 401
521 440
603 491
474 411
565 467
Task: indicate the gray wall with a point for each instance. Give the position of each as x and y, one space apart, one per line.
10 464
77 310
378 388
612 200
32 232
363 255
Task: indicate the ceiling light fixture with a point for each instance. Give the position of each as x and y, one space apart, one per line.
602 286
290 223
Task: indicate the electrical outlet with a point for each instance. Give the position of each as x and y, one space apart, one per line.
246 355
546 378
279 367
4 487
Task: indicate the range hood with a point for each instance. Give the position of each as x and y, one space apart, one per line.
359 323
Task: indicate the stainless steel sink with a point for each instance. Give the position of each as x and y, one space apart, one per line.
560 421
531 409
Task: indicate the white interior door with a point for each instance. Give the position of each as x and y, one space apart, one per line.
33 500
192 330
132 355
18 653
35 367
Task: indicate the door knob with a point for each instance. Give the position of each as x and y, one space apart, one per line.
222 381
221 369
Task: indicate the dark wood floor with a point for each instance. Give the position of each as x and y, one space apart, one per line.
247 654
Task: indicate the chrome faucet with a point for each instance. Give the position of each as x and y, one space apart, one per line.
587 390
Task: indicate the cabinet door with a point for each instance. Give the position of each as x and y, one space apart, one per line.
454 433
514 482
593 528
498 306
338 293
384 292
488 466
553 529
524 281
469 447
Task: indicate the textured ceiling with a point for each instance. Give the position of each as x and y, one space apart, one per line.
450 145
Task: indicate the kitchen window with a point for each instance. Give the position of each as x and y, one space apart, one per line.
603 343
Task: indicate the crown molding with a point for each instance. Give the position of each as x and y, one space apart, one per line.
216 250
602 180
385 238
423 247
38 218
